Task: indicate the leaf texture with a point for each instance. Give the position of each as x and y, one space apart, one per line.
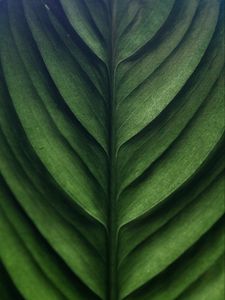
111 150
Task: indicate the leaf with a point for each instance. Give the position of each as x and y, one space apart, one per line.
111 164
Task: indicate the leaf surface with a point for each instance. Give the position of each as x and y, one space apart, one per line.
111 134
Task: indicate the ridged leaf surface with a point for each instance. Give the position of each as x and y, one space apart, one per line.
111 149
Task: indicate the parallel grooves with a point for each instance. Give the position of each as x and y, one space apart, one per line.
188 195
90 226
174 217
31 257
184 259
158 66
167 261
42 192
51 117
175 109
170 146
57 213
35 255
36 18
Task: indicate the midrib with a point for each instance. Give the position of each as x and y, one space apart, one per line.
112 290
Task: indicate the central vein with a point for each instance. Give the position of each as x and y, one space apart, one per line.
112 216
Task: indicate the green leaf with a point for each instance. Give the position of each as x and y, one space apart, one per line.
111 149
